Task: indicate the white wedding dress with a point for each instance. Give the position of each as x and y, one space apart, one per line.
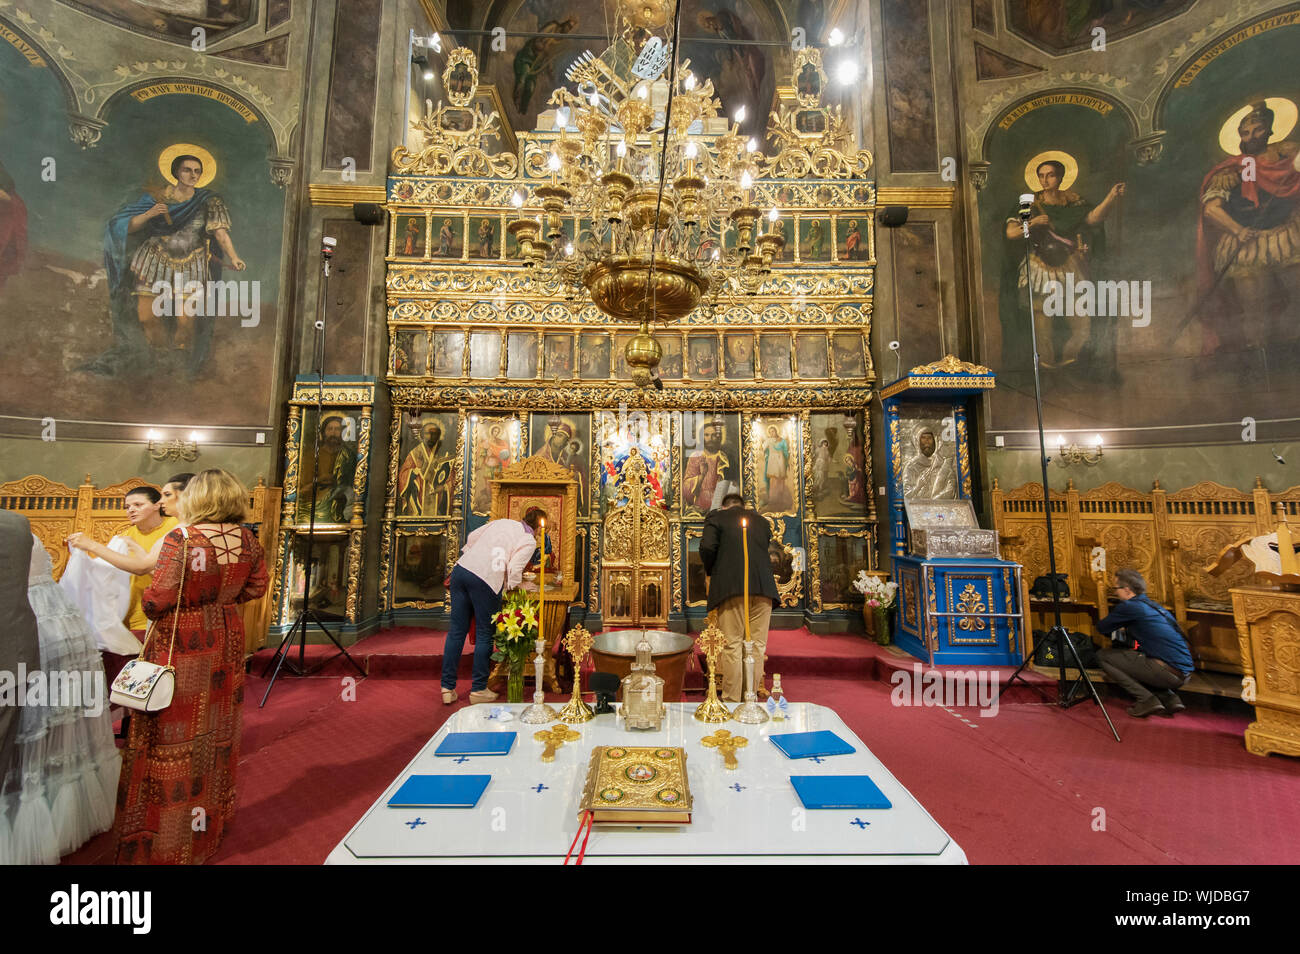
62 787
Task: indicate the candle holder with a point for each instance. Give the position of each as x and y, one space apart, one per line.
750 712
578 642
539 712
711 642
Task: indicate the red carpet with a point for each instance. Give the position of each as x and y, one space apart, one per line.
1019 787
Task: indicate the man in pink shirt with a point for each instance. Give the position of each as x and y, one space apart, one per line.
493 558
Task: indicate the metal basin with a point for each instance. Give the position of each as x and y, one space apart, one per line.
615 651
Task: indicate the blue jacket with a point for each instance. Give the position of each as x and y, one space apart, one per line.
1153 628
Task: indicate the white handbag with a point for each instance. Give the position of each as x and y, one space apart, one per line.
146 686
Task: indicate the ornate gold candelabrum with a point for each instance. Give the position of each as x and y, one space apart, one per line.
710 642
749 711
539 712
578 642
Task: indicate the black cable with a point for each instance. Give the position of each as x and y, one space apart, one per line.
663 152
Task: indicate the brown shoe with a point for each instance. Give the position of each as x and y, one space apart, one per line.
483 695
449 696
1169 699
1148 706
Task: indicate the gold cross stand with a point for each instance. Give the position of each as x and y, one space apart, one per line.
710 642
726 743
578 642
554 737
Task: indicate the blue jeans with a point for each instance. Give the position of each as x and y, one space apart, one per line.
470 596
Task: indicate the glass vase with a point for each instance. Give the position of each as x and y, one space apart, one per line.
515 680
882 614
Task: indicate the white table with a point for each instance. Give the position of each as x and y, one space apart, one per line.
529 812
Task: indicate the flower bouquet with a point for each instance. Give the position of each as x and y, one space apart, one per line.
515 636
880 596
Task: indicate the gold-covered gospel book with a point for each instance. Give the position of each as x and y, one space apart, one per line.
637 785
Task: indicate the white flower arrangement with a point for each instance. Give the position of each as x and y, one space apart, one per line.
877 591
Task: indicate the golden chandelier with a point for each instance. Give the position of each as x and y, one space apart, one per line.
655 176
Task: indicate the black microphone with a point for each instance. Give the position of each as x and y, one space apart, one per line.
1026 211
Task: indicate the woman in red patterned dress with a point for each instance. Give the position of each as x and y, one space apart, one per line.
177 789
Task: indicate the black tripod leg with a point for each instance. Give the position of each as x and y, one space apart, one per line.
283 657
281 652
1068 700
1020 674
341 651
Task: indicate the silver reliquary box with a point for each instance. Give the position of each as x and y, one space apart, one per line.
947 529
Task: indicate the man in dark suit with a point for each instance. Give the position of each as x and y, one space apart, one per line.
18 642
1159 658
723 554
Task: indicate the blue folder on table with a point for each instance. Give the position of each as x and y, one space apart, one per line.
807 745
440 791
476 743
838 791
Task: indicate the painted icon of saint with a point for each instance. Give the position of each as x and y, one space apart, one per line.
166 238
1248 238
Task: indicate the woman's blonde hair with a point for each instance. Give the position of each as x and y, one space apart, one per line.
214 496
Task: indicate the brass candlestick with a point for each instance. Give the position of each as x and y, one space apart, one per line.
726 743
749 711
578 642
554 737
711 641
539 712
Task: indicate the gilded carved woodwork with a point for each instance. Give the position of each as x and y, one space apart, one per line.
791 591
950 364
812 139
354 574
1268 627
584 396
971 602
815 531
638 545
454 136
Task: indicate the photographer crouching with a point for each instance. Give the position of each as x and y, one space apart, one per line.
1158 660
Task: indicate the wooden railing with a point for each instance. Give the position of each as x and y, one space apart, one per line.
1168 537
56 510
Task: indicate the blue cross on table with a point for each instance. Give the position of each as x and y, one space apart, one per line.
736 785
539 787
862 826
818 759
462 758
412 824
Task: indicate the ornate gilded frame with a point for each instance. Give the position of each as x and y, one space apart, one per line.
814 533
752 423
333 395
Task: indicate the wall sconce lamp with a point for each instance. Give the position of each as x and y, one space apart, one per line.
174 449
1074 454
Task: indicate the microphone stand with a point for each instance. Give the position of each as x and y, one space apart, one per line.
306 614
1065 697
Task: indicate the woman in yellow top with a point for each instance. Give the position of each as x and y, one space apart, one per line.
142 558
